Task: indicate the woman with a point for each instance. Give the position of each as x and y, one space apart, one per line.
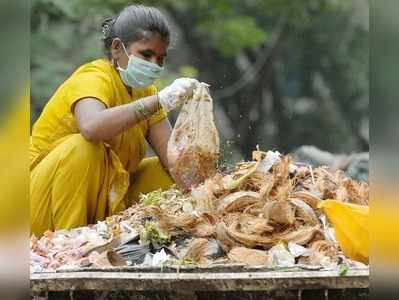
91 135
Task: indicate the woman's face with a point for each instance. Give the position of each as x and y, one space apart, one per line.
153 49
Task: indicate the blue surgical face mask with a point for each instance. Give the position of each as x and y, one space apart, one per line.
139 72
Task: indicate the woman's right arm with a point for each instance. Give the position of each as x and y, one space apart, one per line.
97 123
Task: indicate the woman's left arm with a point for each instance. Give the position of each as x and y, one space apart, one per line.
158 137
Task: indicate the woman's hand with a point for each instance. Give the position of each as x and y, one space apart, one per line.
174 95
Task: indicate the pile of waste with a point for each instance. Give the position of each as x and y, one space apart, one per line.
264 212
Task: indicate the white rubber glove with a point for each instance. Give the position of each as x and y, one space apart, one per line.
174 95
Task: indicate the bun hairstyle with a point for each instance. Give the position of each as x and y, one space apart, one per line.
134 23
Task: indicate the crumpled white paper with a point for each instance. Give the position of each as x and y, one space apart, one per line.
271 158
297 250
159 258
279 256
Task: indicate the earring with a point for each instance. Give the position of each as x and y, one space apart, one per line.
114 62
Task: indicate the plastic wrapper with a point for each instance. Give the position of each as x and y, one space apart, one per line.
279 256
298 250
160 258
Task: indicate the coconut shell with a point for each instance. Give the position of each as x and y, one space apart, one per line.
352 192
205 226
247 256
108 259
326 183
196 250
204 229
203 197
223 238
299 236
230 218
282 212
309 198
248 240
304 212
267 185
238 201
174 224
250 224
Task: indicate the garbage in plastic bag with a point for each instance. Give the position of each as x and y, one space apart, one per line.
193 147
134 253
351 225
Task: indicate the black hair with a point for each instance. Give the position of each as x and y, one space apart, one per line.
134 23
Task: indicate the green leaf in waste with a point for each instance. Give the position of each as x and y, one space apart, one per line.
152 198
342 269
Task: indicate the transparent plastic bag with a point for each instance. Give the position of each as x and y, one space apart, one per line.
193 148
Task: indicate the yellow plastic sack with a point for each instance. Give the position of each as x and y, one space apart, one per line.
351 225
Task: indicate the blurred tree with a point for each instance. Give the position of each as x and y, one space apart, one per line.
283 73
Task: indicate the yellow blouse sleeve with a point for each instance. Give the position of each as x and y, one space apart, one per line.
160 115
90 84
